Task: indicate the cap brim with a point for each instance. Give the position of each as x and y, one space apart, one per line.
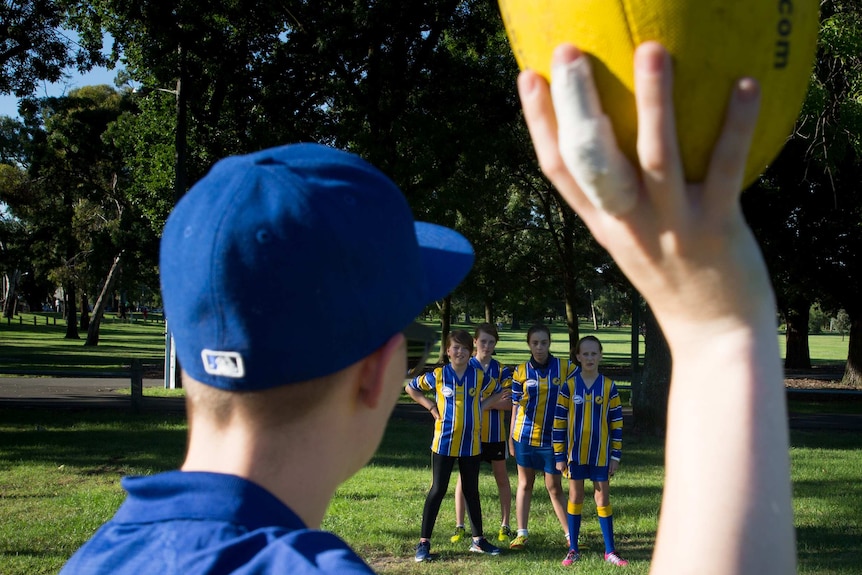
447 257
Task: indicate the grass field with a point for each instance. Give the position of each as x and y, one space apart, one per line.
60 472
41 347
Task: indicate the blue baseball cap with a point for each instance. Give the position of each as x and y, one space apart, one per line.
295 262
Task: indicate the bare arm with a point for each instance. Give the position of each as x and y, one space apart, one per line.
689 252
502 400
422 400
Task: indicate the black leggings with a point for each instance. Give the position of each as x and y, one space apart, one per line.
441 470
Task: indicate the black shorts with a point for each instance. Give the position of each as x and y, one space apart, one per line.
494 451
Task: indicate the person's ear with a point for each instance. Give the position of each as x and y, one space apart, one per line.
378 369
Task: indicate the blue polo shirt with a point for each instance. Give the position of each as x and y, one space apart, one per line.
191 522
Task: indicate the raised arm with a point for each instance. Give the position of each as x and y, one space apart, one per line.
689 252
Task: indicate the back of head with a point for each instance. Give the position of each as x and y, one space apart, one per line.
295 262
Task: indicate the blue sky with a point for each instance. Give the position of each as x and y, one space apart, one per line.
9 104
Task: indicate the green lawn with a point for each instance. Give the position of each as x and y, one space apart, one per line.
42 348
60 471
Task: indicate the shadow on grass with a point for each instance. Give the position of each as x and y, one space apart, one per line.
94 441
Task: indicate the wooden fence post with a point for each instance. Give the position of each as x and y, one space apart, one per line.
137 386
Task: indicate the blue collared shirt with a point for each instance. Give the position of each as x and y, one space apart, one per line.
194 523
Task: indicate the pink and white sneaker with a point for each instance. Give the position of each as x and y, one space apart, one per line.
614 559
571 557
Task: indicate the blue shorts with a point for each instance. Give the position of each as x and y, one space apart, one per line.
591 472
538 458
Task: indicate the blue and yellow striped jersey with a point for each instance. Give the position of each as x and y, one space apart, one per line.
493 421
534 399
588 422
459 402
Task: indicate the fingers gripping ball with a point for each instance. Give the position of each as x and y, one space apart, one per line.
587 143
712 43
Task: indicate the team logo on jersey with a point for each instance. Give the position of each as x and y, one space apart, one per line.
472 392
556 381
579 400
531 383
447 392
224 363
598 399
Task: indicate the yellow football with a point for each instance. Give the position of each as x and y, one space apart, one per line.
712 43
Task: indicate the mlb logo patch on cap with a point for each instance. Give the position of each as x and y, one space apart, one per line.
224 363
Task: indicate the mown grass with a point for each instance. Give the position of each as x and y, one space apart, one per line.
41 348
60 472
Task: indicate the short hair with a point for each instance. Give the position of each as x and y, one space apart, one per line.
587 338
488 328
537 328
460 336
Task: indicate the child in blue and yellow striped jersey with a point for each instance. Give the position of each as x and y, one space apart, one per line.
494 430
461 392
534 399
588 441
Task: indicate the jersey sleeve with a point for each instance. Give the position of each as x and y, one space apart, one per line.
505 377
560 433
424 382
490 386
615 423
517 388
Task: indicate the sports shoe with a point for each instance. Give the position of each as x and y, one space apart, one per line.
518 542
483 546
423 551
571 557
505 533
458 535
614 559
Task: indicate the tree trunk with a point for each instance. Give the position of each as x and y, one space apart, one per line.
649 397
797 354
99 309
85 312
636 337
570 283
71 312
180 138
489 311
572 325
593 312
10 295
853 371
445 327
